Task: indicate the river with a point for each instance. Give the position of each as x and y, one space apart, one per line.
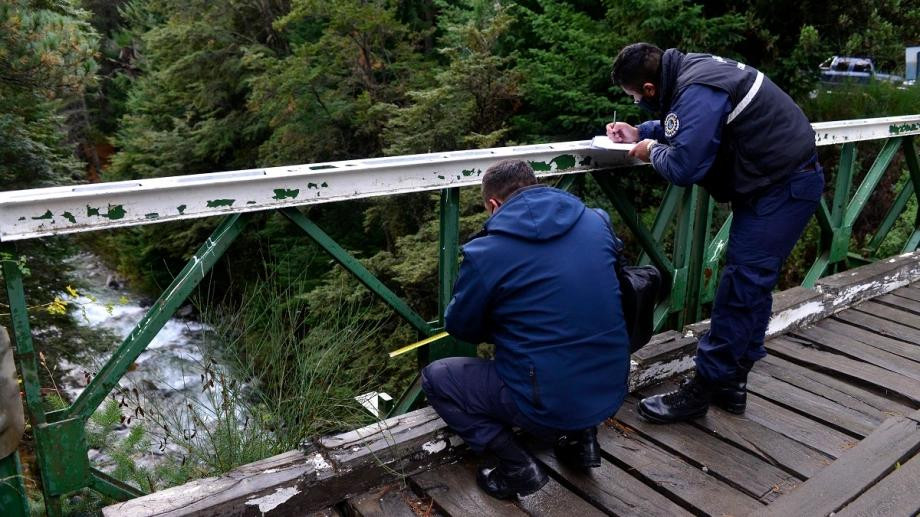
168 377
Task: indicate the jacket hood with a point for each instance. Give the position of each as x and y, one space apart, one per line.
537 213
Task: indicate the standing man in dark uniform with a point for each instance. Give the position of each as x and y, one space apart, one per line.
729 128
539 283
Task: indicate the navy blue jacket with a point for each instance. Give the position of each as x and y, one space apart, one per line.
540 284
727 127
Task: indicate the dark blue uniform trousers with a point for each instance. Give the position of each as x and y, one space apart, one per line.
764 230
474 401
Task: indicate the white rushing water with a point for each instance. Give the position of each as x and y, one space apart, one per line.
168 374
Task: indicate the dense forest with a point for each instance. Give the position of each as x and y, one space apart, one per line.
106 90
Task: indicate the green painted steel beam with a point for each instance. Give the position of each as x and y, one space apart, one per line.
356 268
816 271
715 250
161 311
701 210
843 184
913 168
111 487
22 338
897 208
448 267
566 182
410 398
664 216
871 180
631 218
13 499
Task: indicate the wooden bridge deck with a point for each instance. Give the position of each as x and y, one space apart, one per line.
832 427
831 423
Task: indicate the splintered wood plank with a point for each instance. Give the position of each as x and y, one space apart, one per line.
554 499
388 501
880 325
673 476
896 494
767 444
856 397
895 300
858 350
613 489
826 410
838 364
703 450
800 428
907 350
453 489
889 313
871 460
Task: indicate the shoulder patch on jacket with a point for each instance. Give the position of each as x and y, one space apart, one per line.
671 125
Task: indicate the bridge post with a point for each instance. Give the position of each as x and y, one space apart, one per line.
448 267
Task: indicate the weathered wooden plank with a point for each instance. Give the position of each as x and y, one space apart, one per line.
895 299
387 501
765 443
730 464
880 326
858 350
907 350
873 458
815 406
667 354
880 310
328 512
453 489
896 494
911 291
792 308
863 372
554 499
850 395
854 285
768 444
673 476
296 482
797 427
613 489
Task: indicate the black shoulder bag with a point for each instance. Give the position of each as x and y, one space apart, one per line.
640 287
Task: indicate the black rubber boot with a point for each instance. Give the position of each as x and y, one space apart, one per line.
579 448
689 401
517 473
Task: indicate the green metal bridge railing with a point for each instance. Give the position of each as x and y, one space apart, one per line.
690 264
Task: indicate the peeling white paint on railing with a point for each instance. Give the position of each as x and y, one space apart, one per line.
33 213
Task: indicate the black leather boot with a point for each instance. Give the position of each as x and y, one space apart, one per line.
579 448
732 395
689 401
517 473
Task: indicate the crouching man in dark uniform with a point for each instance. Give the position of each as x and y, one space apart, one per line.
539 283
727 127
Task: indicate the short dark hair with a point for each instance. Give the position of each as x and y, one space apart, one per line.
506 176
636 65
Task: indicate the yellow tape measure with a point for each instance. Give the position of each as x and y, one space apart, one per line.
413 346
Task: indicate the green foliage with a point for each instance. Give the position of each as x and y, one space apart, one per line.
46 55
328 99
471 98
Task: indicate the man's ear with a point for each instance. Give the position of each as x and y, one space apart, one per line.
649 89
